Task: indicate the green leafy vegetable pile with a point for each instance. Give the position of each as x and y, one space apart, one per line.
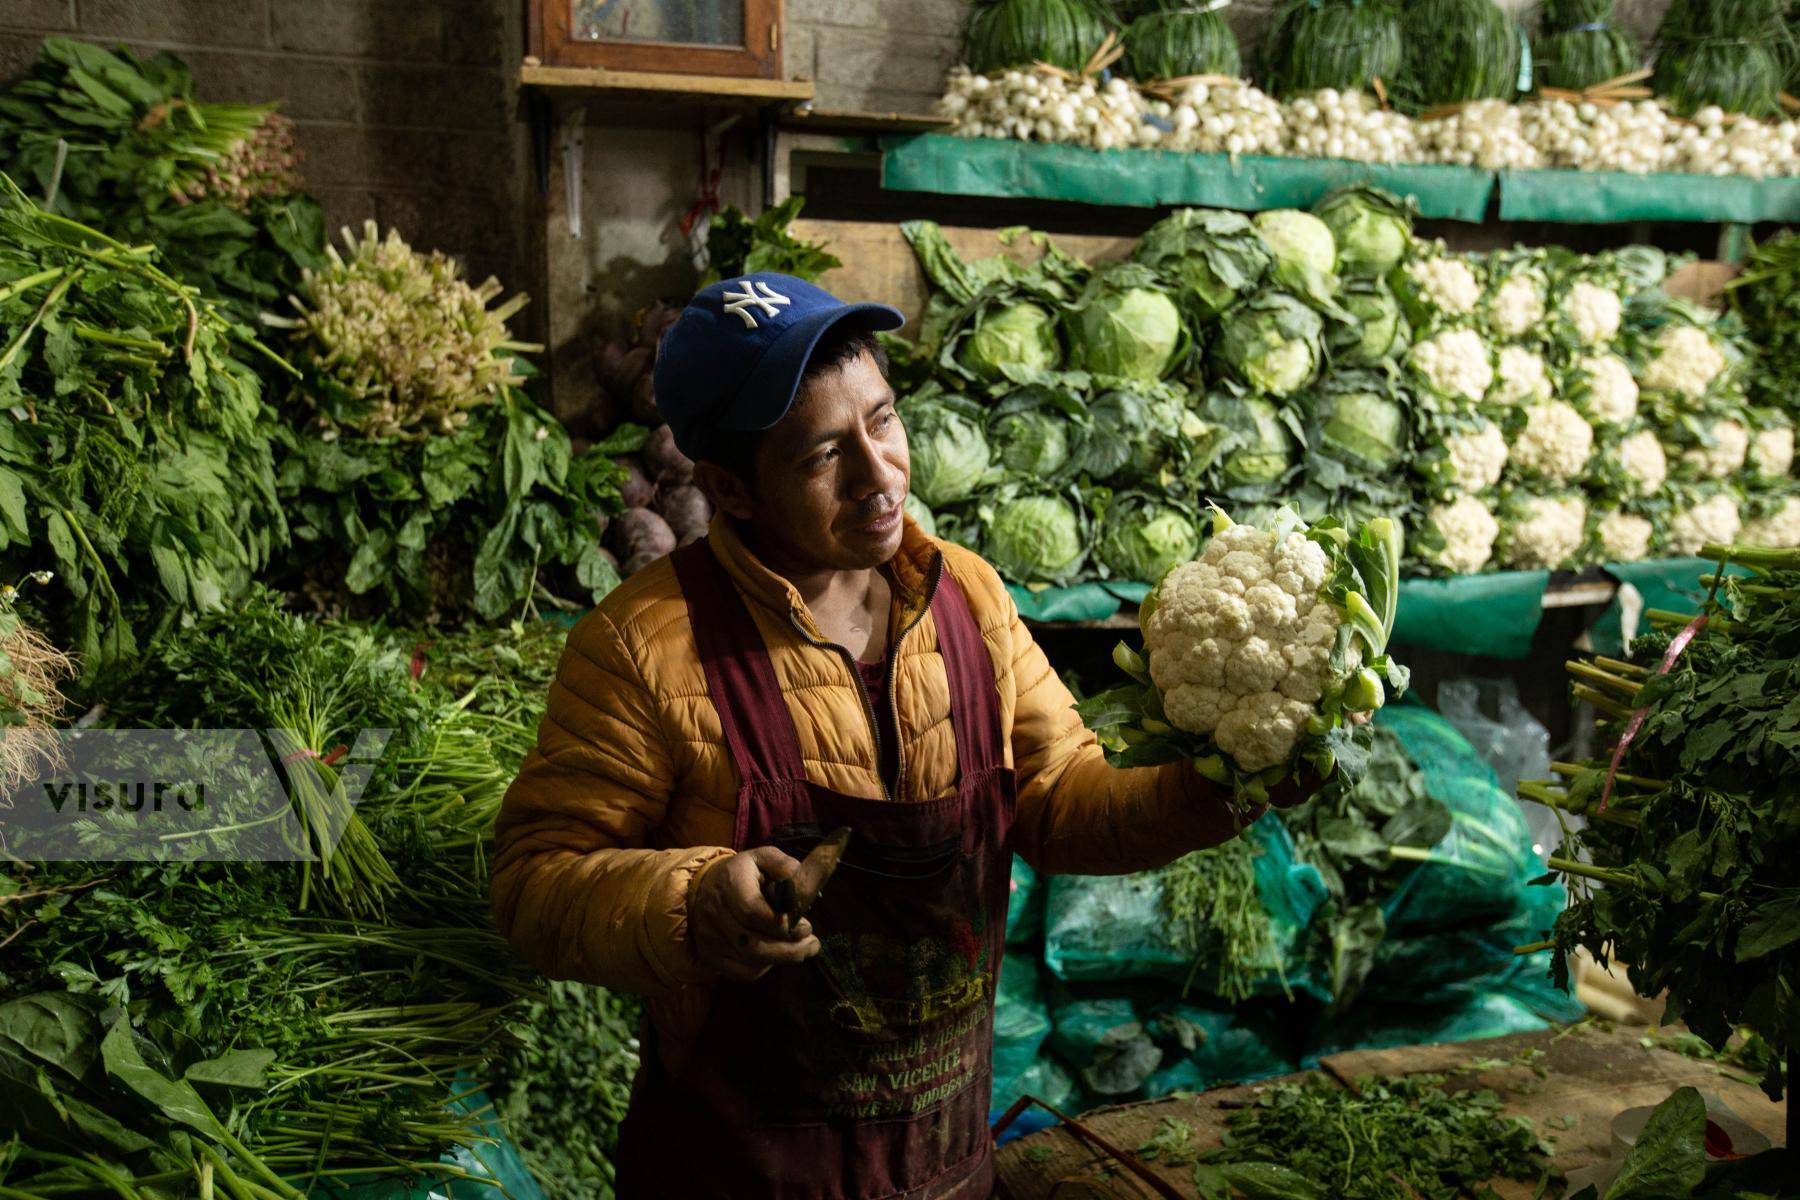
1386 1138
1687 868
737 243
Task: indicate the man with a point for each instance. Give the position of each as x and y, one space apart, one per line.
816 661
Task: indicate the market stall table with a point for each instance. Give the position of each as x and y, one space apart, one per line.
1588 1076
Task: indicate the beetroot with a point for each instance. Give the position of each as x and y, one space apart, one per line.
620 365
653 320
643 402
638 531
637 491
686 509
664 461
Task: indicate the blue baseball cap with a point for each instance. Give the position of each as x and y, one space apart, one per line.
733 360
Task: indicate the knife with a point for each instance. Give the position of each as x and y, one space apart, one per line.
792 898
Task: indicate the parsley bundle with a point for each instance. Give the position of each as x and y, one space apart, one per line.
1689 869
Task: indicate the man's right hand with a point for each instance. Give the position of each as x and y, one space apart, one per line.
735 933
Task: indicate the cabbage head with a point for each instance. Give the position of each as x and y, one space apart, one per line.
1016 340
951 459
1033 536
1138 434
1372 229
1037 432
1211 257
920 512
1380 333
1144 537
1252 445
1126 326
1305 255
1271 343
1359 420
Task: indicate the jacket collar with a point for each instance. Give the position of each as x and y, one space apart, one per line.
914 570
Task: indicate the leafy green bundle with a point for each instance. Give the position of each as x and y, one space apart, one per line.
1385 1138
1766 295
272 1025
1211 910
736 243
1472 54
1578 46
1695 837
1729 53
997 34
132 439
123 146
1350 45
1175 38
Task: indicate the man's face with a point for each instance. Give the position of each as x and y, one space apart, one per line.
832 474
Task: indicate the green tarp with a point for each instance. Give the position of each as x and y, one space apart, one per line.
1672 584
1493 614
1147 178
1605 197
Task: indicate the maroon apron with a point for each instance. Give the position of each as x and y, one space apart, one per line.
864 1073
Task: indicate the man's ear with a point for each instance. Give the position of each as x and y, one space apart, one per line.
726 491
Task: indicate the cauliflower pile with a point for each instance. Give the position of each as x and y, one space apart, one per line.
1686 362
1714 519
1455 364
1466 528
1522 378
1778 530
1611 395
1446 284
1554 443
1476 457
1543 532
1517 306
1730 446
1254 652
1624 537
1593 313
1772 453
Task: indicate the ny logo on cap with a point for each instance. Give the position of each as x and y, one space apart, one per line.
770 301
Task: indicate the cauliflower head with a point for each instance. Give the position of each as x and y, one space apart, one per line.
1686 361
1624 537
1517 306
1645 465
1468 529
1730 447
1772 453
1554 444
1612 394
1240 643
1520 377
1594 313
1714 519
1455 364
1446 284
1778 530
1545 532
1477 457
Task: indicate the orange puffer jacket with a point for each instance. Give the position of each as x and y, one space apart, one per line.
631 791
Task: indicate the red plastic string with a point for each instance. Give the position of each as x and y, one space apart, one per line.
1676 646
706 202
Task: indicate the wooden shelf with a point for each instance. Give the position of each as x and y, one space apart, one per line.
809 118
692 89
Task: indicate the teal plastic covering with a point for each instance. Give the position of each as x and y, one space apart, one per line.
1672 584
1495 614
1024 904
1148 178
1608 197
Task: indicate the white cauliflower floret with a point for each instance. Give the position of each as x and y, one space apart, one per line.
1731 445
1468 528
1554 444
1446 284
1547 533
1644 462
1686 362
1245 668
1625 537
1477 457
1517 307
1772 454
1714 519
1262 730
1521 377
1612 394
1779 530
1455 364
1593 312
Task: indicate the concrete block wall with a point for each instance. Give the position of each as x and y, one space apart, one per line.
404 109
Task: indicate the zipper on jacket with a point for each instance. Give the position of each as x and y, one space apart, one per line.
893 657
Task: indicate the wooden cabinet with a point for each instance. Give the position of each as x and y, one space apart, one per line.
739 38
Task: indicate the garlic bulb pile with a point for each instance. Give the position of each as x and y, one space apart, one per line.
1352 125
1709 146
1483 133
1230 118
1597 137
1042 106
